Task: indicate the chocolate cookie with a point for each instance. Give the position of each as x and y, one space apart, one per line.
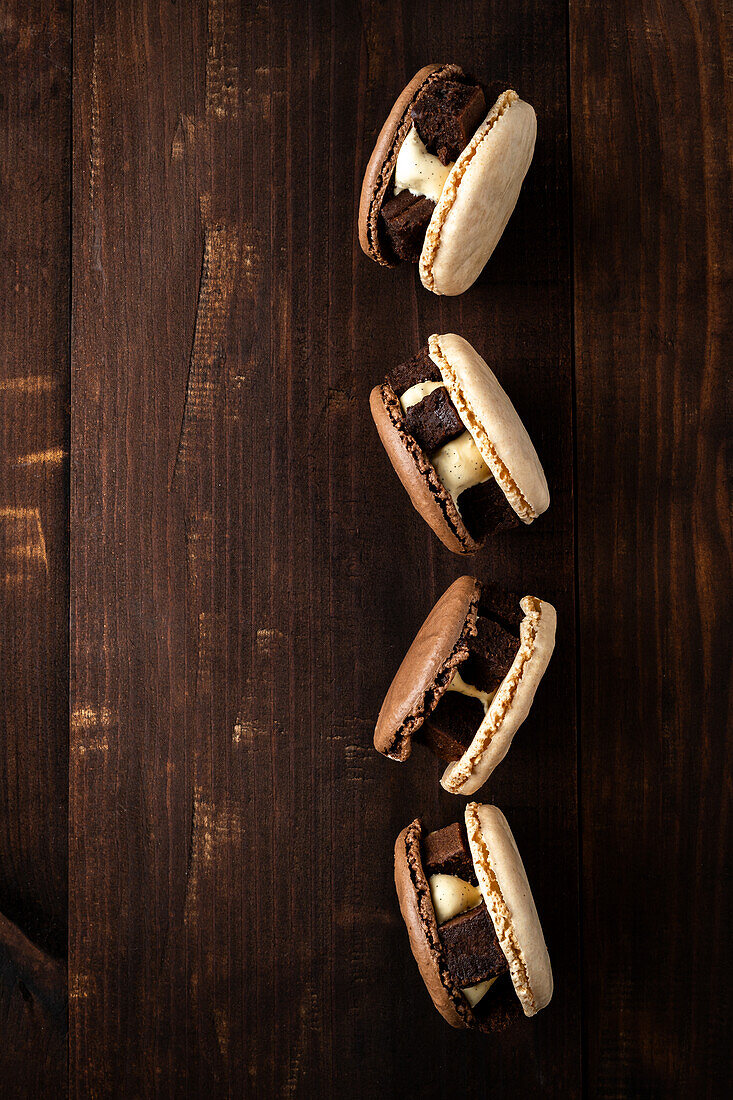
467 682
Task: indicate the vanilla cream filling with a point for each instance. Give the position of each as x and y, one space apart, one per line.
416 393
459 684
417 170
459 465
452 896
474 993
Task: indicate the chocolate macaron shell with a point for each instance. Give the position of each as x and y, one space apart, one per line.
382 162
498 432
416 906
478 197
422 679
505 889
414 469
512 702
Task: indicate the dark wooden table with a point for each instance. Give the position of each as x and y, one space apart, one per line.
195 832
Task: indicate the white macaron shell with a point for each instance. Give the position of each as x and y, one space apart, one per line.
512 702
478 197
494 423
512 909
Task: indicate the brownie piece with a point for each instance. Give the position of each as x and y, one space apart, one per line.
405 219
434 420
491 653
446 117
484 509
501 606
451 727
470 948
446 852
420 368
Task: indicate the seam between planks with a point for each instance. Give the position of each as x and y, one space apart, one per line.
70 380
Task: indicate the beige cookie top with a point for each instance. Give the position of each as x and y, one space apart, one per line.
494 423
511 704
505 889
479 197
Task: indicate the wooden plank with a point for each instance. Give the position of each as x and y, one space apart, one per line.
245 571
651 211
35 60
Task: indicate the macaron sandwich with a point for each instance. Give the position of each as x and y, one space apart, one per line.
472 922
457 444
468 681
444 177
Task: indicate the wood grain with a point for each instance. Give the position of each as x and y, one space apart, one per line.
651 135
246 572
35 60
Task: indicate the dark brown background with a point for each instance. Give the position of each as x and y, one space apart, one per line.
195 833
